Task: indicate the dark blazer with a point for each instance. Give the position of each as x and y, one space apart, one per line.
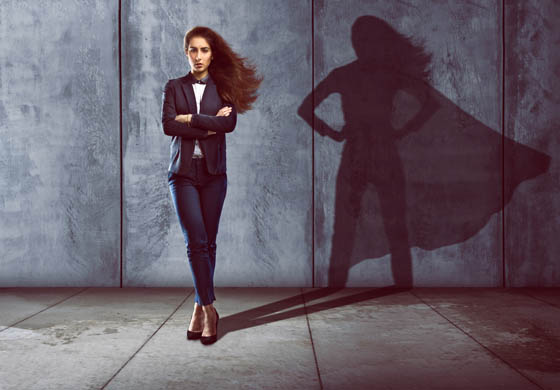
178 98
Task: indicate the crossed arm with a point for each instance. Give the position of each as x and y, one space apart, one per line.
191 126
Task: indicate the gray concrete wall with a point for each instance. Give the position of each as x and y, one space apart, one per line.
427 206
59 143
264 238
428 203
532 118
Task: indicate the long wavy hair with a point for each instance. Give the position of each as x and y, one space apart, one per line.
375 40
236 79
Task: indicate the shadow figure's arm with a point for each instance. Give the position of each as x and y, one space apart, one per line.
429 105
307 109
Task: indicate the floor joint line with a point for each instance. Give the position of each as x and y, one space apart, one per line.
40 311
146 341
540 299
492 353
311 339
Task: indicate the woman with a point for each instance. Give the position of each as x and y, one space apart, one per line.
198 110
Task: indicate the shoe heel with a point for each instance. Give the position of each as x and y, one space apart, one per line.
207 340
193 335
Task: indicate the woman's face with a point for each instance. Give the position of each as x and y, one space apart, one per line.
199 54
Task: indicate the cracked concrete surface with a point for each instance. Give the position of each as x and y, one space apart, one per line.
310 338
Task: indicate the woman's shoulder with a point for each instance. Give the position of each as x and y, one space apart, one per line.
176 81
169 84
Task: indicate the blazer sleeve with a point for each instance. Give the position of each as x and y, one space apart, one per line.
172 127
219 124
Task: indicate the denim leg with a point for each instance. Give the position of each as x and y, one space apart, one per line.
187 203
212 195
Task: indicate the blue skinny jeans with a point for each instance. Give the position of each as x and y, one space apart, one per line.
198 198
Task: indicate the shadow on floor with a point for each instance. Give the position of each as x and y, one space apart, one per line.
269 313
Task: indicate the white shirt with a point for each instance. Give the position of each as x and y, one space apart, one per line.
198 92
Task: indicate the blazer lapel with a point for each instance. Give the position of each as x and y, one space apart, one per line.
207 97
186 84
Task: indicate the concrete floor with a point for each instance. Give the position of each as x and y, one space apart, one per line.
285 338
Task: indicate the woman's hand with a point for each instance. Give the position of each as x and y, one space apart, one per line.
224 111
186 118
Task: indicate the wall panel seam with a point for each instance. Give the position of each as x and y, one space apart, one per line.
313 145
503 145
120 150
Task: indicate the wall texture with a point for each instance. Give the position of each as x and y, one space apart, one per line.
264 237
384 147
59 143
532 98
423 207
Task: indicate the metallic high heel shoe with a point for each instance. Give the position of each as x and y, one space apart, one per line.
207 340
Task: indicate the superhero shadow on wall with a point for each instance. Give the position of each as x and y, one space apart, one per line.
436 170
